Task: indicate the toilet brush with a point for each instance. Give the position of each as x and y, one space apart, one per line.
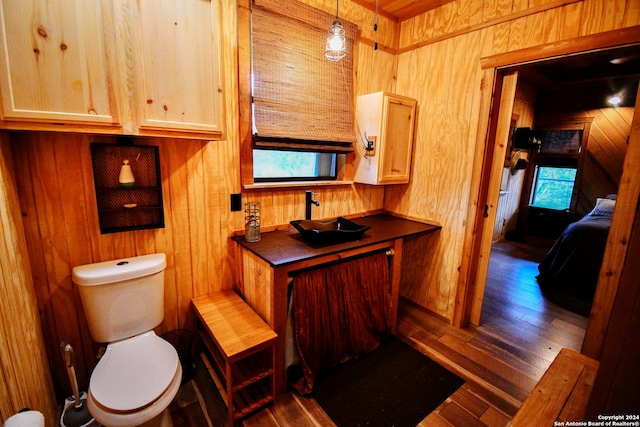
75 412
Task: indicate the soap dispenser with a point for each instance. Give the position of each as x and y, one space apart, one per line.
126 178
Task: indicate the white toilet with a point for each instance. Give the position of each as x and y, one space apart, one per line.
139 374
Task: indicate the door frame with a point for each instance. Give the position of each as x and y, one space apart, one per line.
498 93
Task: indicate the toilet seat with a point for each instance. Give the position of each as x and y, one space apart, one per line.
148 414
133 373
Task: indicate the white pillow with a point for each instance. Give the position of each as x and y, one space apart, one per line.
604 207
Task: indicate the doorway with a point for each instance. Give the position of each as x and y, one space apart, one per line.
504 73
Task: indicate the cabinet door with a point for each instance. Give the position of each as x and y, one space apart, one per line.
388 121
397 145
54 67
177 68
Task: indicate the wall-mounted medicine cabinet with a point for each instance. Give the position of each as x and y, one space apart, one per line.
129 205
385 124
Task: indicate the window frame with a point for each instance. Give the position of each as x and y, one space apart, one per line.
335 160
563 163
573 158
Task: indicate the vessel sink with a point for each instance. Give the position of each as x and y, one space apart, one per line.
329 231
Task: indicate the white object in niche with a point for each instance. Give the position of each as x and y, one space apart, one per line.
126 178
387 120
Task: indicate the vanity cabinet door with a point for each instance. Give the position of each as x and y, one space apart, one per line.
54 66
177 77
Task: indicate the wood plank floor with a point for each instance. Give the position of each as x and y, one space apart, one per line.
501 360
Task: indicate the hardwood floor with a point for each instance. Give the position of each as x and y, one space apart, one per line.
501 360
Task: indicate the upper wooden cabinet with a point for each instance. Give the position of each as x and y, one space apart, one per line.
54 66
387 121
176 65
144 67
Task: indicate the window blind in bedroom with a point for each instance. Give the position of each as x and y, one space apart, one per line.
301 100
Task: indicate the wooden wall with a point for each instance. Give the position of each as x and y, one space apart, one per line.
438 65
604 157
24 372
507 215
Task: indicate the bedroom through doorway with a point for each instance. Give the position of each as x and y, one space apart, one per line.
571 90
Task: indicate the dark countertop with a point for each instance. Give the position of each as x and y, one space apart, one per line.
282 247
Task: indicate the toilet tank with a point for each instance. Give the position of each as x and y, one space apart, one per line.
122 298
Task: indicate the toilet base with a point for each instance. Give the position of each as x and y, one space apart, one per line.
162 420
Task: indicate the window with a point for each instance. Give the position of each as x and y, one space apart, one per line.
273 165
553 187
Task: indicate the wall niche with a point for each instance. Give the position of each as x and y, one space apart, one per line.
128 206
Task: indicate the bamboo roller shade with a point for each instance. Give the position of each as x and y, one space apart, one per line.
301 100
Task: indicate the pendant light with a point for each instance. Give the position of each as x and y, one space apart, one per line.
615 100
336 47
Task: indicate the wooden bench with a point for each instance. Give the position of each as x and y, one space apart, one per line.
241 348
561 394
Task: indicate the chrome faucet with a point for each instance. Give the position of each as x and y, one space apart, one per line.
308 201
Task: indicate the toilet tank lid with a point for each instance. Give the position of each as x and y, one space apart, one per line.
118 270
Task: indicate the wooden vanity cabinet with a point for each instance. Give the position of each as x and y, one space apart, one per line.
267 266
264 287
146 67
387 122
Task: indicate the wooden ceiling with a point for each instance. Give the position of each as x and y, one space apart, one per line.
401 10
593 76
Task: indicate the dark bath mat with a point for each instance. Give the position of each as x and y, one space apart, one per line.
395 385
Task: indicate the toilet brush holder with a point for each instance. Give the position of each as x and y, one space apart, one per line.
75 412
77 416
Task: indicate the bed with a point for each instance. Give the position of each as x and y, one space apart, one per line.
569 271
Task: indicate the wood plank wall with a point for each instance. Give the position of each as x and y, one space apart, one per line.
507 215
444 75
24 372
57 199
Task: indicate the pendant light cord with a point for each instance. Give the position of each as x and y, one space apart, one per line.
375 27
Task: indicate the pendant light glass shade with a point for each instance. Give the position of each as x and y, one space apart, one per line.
336 47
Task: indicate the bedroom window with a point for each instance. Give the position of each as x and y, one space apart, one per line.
553 187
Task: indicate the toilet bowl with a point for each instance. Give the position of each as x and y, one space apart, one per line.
134 382
139 373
